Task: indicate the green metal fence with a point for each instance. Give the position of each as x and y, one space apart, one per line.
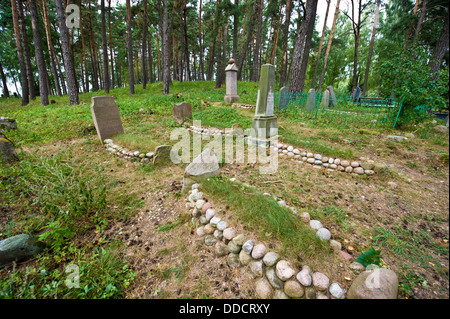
362 112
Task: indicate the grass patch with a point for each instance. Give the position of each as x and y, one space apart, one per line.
263 215
221 117
136 142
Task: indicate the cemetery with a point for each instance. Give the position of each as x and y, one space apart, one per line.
239 184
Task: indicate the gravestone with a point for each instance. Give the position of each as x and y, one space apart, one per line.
357 93
231 82
264 119
106 116
7 124
311 101
333 101
7 150
182 111
203 166
18 248
284 98
325 102
162 154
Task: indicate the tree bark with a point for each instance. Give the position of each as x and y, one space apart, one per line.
441 48
423 12
111 51
372 41
235 28
39 54
313 83
283 75
95 73
202 66
330 40
68 57
26 51
144 46
106 81
165 48
297 79
130 50
23 67
410 29
5 85
256 56
243 53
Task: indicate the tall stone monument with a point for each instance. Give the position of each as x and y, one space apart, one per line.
264 119
106 116
325 101
231 82
333 101
311 101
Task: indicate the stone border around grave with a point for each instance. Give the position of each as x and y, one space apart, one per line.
132 156
274 277
331 164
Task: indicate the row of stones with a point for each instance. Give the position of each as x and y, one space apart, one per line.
275 277
319 161
126 154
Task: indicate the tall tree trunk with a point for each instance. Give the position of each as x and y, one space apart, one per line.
26 51
243 53
144 46
111 51
411 26
130 50
83 49
23 67
441 48
5 85
165 47
357 35
423 12
235 28
297 78
51 49
95 73
283 75
372 41
275 41
324 28
256 64
150 60
327 52
39 54
186 44
106 81
68 57
202 66
220 72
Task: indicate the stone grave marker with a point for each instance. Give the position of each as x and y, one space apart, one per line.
7 124
333 101
7 150
311 101
357 93
283 100
162 154
182 111
106 116
325 102
231 82
264 119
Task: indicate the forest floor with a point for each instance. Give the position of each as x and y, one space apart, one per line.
136 212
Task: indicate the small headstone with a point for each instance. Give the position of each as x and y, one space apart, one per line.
231 82
325 102
7 124
7 150
162 154
17 248
106 116
182 111
311 101
333 101
357 93
283 100
203 166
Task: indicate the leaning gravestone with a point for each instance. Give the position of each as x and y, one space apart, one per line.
203 166
182 111
357 93
231 82
7 150
264 119
311 101
325 103
106 116
17 248
333 101
162 154
284 98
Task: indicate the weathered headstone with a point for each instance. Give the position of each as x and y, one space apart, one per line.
357 93
203 166
17 248
182 111
283 100
106 116
162 154
231 82
264 119
7 150
333 101
311 101
325 102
